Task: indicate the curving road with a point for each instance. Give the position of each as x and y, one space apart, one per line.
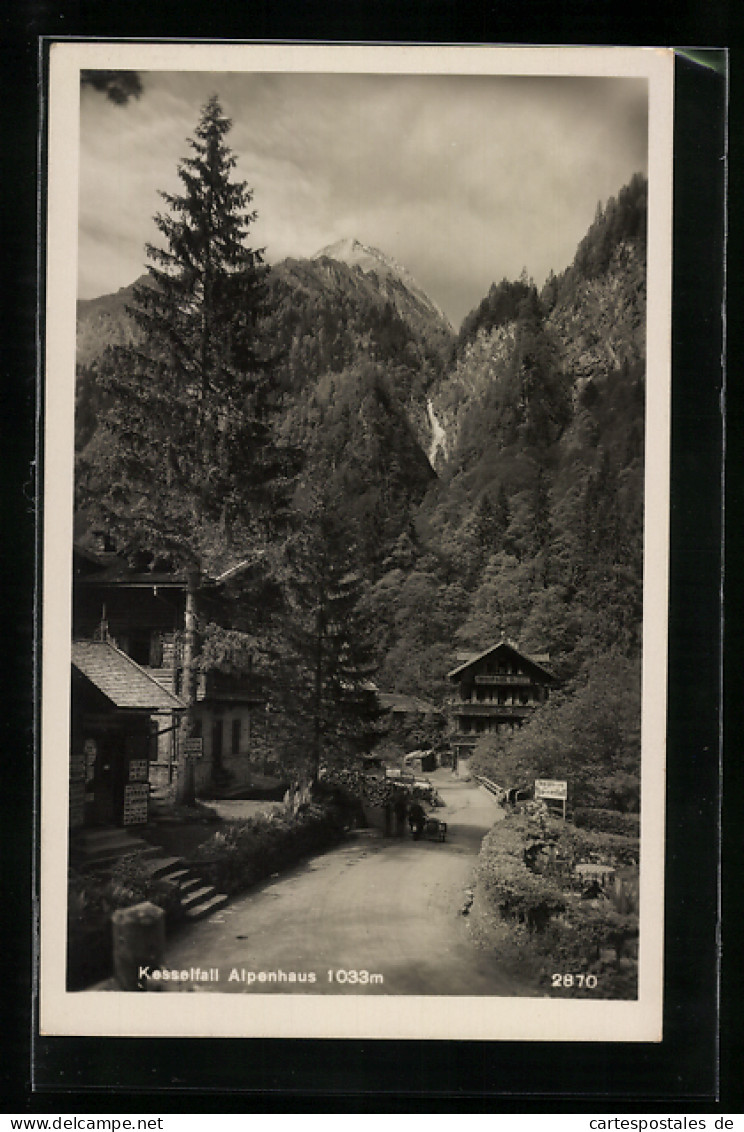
389 907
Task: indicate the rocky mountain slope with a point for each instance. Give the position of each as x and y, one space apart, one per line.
394 280
586 323
103 322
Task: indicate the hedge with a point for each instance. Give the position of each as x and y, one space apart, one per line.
246 852
527 874
607 821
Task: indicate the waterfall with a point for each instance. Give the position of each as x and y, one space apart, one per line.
438 435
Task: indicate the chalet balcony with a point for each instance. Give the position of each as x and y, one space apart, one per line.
499 679
503 711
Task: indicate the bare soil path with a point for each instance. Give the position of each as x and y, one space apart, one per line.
385 906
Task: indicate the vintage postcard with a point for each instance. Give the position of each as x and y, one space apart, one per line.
356 450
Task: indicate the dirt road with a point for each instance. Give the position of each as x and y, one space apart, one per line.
376 915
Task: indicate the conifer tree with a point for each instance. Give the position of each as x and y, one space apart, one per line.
185 466
191 459
325 683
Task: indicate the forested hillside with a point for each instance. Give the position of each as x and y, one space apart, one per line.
534 527
525 518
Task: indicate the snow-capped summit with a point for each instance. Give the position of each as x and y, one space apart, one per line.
369 259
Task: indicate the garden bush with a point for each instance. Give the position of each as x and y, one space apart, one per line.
245 852
608 821
527 874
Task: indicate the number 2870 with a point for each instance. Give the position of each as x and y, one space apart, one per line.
568 980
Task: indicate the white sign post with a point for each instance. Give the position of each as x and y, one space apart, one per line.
193 748
552 790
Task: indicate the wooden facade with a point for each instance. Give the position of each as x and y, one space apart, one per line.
117 711
142 613
496 690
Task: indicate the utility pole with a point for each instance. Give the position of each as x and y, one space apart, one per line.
186 792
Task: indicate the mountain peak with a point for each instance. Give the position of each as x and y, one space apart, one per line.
341 249
355 254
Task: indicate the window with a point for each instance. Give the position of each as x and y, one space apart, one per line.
235 746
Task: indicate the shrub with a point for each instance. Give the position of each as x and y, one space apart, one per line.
519 892
608 821
577 940
245 852
526 873
595 847
583 929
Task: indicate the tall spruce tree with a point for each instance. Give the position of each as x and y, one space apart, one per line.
185 466
328 701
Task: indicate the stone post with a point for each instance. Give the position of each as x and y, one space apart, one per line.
139 941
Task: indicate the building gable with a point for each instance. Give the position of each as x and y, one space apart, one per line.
502 658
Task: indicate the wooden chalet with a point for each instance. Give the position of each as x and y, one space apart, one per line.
118 713
141 613
496 690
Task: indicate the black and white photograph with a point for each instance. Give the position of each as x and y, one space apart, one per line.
355 548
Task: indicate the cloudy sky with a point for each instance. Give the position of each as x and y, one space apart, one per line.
463 180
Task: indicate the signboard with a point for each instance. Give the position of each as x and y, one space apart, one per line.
135 803
551 788
138 770
193 748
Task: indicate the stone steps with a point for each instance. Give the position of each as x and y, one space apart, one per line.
219 900
197 898
98 849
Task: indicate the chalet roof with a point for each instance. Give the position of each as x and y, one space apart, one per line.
113 570
535 661
398 701
122 681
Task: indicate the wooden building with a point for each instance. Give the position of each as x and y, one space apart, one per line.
405 711
496 690
141 612
118 712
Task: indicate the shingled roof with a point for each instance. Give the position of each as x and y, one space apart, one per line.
121 679
473 658
399 702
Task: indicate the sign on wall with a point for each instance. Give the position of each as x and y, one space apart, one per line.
138 770
135 803
193 748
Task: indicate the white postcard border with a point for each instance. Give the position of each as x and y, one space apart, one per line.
343 1016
